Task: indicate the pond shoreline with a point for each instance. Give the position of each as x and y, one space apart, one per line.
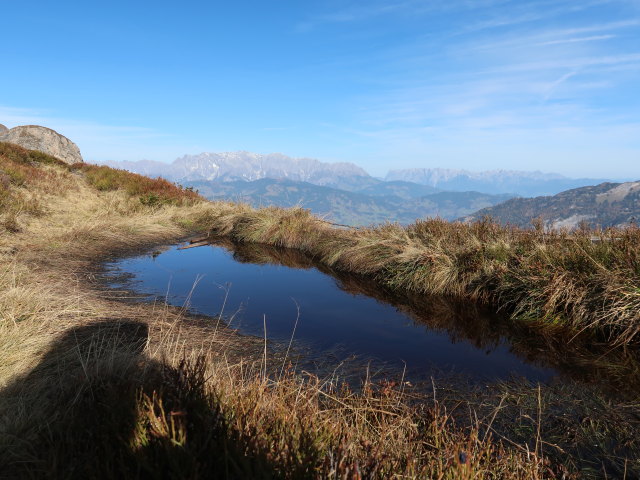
590 366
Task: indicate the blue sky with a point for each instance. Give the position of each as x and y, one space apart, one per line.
484 84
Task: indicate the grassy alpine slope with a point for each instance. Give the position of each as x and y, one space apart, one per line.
92 386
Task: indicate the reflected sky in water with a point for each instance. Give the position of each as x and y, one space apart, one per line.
331 321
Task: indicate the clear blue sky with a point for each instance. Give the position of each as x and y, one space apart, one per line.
479 84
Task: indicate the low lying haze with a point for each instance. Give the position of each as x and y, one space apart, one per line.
493 84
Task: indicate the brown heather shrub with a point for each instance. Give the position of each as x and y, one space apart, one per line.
151 192
16 154
26 175
20 167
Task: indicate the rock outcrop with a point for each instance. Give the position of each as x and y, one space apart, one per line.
44 140
3 129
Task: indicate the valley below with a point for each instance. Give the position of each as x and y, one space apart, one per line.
351 208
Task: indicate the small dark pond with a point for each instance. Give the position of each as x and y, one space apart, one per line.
343 315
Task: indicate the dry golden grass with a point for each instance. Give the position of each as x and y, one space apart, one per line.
93 386
45 260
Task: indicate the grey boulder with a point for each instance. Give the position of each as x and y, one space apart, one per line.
44 140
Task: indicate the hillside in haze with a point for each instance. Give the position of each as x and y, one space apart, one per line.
399 188
351 208
605 205
525 184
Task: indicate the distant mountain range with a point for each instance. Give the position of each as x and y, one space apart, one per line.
526 184
605 205
247 166
346 193
351 208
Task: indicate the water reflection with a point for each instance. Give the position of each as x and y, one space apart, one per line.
577 357
344 314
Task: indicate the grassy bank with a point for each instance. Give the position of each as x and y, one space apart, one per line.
92 386
577 357
585 281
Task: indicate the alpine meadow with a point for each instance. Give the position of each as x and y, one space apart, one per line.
322 240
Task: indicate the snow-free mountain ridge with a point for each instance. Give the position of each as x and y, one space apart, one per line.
352 208
604 205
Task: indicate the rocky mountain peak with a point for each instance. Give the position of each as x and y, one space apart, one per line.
43 139
249 166
3 129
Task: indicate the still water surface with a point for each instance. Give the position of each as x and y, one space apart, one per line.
338 316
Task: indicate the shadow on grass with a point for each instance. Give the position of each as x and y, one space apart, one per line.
97 407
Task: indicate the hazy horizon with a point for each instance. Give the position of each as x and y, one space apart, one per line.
541 85
115 162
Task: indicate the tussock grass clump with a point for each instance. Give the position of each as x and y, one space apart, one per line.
584 281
